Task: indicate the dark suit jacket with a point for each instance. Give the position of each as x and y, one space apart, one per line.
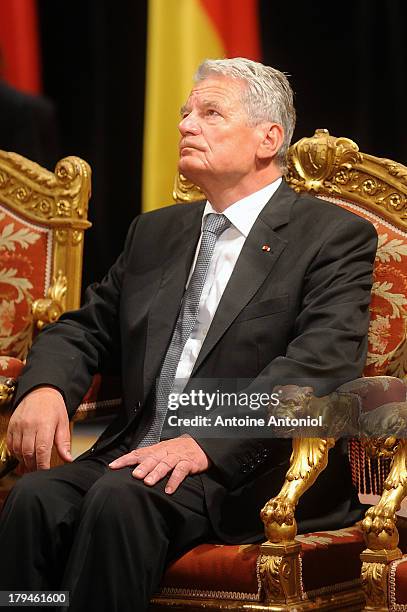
299 311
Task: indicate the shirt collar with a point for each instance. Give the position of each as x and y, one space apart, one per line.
243 213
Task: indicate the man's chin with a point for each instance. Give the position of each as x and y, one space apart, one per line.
190 169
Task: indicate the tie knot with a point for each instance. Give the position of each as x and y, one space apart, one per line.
216 224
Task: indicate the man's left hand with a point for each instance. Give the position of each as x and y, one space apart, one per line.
180 456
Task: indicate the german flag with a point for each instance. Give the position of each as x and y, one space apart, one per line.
19 45
181 34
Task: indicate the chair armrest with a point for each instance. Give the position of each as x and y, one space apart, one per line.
45 311
7 390
339 413
308 459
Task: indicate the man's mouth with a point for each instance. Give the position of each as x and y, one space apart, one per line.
187 145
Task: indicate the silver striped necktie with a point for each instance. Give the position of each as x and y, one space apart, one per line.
214 226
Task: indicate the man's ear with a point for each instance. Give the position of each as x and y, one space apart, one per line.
272 141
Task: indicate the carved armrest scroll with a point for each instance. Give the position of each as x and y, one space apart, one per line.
49 309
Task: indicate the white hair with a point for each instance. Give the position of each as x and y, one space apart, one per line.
267 95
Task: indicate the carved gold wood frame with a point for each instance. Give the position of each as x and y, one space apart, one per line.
56 200
332 166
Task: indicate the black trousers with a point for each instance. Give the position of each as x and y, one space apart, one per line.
98 533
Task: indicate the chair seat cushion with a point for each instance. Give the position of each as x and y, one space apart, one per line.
329 559
398 585
215 570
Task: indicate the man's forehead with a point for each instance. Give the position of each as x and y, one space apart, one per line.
221 87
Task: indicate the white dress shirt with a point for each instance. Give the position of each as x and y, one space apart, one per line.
242 215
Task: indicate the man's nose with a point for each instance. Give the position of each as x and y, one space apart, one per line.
189 125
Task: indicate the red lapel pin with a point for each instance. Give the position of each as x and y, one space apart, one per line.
265 248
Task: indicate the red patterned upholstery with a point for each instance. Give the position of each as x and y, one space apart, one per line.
212 570
10 367
388 323
25 266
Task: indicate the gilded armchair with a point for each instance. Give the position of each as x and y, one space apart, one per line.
324 570
43 216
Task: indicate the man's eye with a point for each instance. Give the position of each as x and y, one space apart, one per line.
212 112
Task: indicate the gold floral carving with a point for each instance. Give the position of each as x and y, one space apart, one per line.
330 166
185 191
269 572
61 236
321 162
24 185
49 309
7 389
58 288
374 584
280 573
77 237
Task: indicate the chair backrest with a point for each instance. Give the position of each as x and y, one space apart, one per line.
43 216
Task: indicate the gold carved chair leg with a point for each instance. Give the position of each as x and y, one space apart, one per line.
380 529
7 388
280 561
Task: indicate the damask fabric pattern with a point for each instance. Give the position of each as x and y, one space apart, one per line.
24 276
10 367
387 353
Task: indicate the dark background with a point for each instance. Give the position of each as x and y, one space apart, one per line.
347 62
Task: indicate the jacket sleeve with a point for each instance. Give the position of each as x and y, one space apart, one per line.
67 354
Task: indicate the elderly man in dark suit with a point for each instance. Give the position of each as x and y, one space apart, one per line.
256 281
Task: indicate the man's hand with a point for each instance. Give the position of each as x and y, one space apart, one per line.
181 456
39 420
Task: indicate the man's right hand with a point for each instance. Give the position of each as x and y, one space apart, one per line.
39 420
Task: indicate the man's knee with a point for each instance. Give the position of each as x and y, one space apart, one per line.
118 494
31 486
31 496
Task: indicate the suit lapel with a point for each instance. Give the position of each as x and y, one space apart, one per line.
165 306
252 267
